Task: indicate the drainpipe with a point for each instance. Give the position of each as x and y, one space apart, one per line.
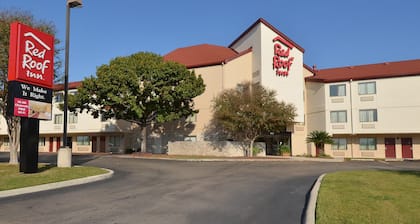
223 76
351 117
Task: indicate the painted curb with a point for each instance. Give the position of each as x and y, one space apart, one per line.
57 185
289 159
309 217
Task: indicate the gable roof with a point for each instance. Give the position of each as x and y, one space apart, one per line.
263 21
370 71
201 55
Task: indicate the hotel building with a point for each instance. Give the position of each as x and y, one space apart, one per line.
370 110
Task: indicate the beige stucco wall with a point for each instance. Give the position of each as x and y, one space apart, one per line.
206 148
315 106
217 78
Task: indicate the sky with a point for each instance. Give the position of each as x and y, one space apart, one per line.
334 33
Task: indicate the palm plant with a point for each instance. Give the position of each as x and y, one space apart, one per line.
319 138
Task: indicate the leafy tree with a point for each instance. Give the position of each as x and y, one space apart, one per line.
319 138
141 88
248 111
6 18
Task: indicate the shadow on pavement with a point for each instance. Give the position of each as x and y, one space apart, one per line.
77 159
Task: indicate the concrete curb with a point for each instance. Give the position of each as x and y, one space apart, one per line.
309 217
51 186
280 159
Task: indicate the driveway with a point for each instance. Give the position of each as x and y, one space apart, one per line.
154 191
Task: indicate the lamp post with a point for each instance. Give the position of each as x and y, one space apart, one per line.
64 154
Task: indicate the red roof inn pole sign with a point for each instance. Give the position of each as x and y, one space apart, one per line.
31 72
281 59
31 56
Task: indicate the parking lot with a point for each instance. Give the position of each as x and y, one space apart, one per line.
157 191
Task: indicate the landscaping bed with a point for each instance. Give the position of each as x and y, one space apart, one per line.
11 178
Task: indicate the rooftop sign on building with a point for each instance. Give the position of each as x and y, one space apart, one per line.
282 61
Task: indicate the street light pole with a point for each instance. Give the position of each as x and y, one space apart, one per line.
64 154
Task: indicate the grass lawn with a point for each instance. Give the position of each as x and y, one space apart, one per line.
11 178
369 197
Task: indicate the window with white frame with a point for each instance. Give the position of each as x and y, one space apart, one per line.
339 144
115 141
190 138
72 118
58 119
338 90
59 97
367 143
41 141
83 140
366 88
370 115
338 116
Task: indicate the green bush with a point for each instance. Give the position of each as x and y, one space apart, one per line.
284 149
256 150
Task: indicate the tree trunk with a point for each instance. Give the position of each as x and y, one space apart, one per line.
320 150
251 148
13 126
143 138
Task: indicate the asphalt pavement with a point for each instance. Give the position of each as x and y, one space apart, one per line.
161 191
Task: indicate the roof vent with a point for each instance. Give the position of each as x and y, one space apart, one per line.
314 69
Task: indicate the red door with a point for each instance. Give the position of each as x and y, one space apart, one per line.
51 144
390 148
102 144
58 143
407 148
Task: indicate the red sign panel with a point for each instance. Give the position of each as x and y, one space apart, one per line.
31 56
21 108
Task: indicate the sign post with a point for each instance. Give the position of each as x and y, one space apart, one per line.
30 81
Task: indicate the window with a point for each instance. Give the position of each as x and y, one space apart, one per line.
72 118
58 119
367 143
367 88
103 119
338 116
339 144
83 140
115 141
192 118
6 141
41 141
370 115
190 138
59 97
338 90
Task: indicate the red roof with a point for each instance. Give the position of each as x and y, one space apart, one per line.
201 55
72 85
263 21
370 71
